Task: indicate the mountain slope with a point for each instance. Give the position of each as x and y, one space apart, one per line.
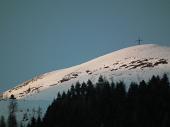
130 64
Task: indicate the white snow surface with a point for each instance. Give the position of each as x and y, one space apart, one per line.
130 64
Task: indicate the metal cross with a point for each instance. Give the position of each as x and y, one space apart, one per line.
139 41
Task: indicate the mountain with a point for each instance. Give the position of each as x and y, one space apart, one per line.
132 64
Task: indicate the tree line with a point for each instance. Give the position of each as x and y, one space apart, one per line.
12 108
105 104
109 104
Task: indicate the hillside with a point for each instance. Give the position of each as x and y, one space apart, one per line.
130 64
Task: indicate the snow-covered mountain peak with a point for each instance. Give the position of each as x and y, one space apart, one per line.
130 64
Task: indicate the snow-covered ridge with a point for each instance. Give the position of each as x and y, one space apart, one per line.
130 64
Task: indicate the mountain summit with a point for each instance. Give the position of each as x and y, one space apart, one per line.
132 64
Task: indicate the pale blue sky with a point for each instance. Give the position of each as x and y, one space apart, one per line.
38 36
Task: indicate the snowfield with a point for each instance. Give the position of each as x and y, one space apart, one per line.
132 64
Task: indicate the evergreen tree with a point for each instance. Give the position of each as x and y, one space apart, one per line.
2 122
83 89
77 89
12 122
33 122
39 122
107 104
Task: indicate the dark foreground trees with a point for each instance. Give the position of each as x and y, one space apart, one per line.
12 122
107 104
2 122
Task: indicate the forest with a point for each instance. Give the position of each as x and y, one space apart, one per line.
108 104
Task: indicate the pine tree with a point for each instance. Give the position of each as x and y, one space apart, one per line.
33 122
105 104
39 122
2 122
12 122
77 89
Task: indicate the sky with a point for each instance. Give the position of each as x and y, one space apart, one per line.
38 36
